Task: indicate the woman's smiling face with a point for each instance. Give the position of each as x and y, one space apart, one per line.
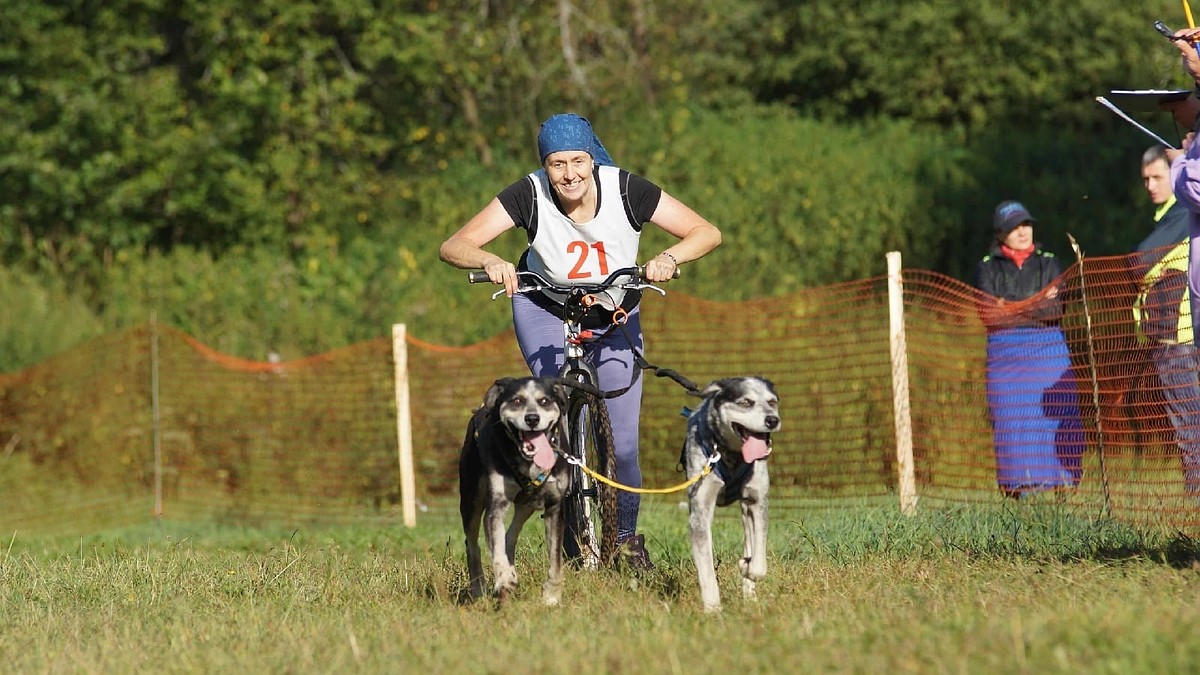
570 173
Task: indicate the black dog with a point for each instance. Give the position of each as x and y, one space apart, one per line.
511 456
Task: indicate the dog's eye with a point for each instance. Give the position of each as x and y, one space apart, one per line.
544 401
746 403
517 401
773 402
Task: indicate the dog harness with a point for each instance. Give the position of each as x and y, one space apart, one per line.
734 479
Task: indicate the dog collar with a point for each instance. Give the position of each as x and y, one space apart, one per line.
528 485
536 482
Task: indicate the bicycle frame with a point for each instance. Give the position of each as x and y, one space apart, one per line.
577 367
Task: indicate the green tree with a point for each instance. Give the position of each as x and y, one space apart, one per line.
950 63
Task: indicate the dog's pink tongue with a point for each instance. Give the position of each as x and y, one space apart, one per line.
754 448
543 454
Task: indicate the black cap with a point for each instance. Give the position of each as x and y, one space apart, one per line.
1009 214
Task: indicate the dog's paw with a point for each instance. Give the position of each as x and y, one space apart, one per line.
464 596
506 577
504 591
551 594
748 592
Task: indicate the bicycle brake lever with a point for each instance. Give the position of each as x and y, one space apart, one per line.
520 289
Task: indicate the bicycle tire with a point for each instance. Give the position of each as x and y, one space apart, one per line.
591 506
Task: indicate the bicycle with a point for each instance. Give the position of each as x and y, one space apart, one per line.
590 505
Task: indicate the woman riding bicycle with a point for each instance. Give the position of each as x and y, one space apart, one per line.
583 216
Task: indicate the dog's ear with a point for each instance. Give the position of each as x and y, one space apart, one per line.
492 397
770 384
715 387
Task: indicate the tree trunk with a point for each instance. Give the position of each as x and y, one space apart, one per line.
471 113
641 51
568 48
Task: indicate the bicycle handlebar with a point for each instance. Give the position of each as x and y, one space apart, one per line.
634 274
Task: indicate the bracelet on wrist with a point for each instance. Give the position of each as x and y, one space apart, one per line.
673 260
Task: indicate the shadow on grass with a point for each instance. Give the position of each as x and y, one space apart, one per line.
1180 551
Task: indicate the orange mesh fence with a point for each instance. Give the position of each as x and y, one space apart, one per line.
1075 415
239 441
313 439
74 432
827 352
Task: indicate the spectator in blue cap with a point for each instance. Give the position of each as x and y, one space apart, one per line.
1033 402
582 217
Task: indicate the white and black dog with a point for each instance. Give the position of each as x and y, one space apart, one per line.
731 429
510 457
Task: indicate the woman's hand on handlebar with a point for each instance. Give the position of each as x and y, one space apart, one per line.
500 271
661 267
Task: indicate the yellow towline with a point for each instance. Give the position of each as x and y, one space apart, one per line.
654 491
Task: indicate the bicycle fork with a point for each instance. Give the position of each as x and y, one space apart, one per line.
584 544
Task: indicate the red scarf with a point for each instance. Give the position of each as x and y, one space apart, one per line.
1016 256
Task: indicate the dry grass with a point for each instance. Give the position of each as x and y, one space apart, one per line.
864 591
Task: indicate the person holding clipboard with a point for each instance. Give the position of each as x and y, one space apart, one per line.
1185 166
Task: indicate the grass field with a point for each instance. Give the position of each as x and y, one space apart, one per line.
989 589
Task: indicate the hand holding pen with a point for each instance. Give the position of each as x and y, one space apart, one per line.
1186 40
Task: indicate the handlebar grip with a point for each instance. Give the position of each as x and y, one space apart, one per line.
478 277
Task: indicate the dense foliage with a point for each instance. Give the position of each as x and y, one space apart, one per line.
278 175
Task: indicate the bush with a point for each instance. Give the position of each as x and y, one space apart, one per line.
801 203
40 319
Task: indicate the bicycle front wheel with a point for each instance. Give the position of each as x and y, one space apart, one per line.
591 505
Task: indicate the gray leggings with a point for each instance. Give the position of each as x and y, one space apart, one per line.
540 335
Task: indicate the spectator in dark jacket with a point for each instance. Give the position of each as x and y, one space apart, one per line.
1162 310
1032 396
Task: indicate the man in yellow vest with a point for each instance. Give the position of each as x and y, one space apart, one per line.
1162 310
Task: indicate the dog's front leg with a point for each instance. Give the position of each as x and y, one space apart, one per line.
702 502
555 532
471 524
504 573
753 564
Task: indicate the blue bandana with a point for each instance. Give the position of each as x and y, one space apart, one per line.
568 131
